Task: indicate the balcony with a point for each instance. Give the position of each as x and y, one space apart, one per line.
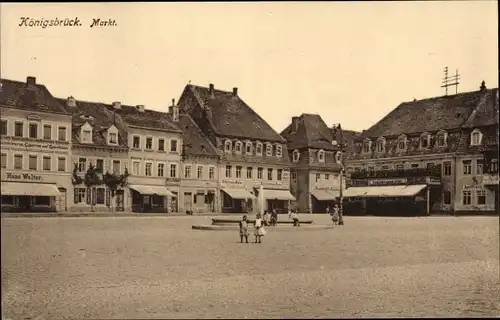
434 172
490 177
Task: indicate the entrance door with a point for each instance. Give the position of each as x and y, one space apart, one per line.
120 198
25 203
61 200
188 201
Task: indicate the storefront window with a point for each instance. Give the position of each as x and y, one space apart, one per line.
8 200
481 197
466 197
80 195
101 196
41 201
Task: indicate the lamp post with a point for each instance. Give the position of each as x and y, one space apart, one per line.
337 131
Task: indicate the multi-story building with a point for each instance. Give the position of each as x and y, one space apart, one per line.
155 146
418 156
97 142
253 155
35 148
316 163
199 170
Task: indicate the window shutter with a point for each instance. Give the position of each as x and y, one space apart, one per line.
87 197
108 196
75 195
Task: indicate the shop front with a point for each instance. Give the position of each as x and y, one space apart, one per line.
34 192
324 197
275 199
236 198
150 198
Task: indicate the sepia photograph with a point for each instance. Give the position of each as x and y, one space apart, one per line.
262 160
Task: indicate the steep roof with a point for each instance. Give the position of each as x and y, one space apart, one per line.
199 145
146 119
232 117
427 115
349 137
28 96
309 131
486 113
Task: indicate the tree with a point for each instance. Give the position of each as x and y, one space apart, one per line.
114 181
75 179
91 179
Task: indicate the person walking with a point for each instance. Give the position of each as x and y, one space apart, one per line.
274 218
244 229
335 215
265 218
327 209
259 229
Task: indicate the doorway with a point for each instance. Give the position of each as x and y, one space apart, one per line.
61 200
120 199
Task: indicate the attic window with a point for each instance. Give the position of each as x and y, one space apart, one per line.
441 138
258 149
425 140
86 117
402 143
269 149
366 146
113 138
86 136
321 156
296 155
476 137
237 147
381 145
338 157
228 145
279 151
248 147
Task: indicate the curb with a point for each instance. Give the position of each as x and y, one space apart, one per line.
269 229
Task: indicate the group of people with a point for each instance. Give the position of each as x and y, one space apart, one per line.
258 225
335 214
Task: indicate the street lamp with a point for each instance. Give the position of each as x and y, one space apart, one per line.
337 130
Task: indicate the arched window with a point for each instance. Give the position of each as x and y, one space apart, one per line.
258 149
269 149
321 156
338 157
476 137
367 144
295 155
441 138
237 146
248 147
381 144
402 142
279 151
425 140
228 145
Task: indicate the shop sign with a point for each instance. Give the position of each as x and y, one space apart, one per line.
257 184
172 181
387 182
232 182
23 176
328 188
433 181
472 186
285 175
10 142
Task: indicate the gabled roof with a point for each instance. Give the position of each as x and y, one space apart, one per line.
310 132
486 112
232 117
348 136
193 137
28 96
427 115
148 119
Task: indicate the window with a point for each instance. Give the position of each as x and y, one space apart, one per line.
260 173
148 169
47 132
294 176
338 157
269 174
414 165
447 168
4 160
248 147
402 143
258 149
327 176
494 165
99 165
161 144
149 143
318 177
479 166
86 136
161 169
429 165
295 155
229 169
321 156
18 161
279 151
135 167
61 164
269 149
46 163
424 141
8 200
173 145
366 146
238 172
481 197
18 129
466 197
398 167
475 137
173 171
237 147
80 195
249 172
3 127
441 139
136 142
33 162
380 145
33 130
446 197
61 133
467 164
100 196
279 174
113 138
116 166
81 164
211 173
199 173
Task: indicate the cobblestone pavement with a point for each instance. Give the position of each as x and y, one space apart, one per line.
155 267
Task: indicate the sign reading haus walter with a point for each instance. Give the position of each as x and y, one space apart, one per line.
387 182
12 142
22 176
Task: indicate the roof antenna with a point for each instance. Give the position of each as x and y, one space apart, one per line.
449 81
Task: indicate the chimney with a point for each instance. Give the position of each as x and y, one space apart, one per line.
174 111
71 102
30 81
483 86
235 91
140 107
212 90
295 124
117 105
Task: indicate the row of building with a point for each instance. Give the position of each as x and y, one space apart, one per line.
211 152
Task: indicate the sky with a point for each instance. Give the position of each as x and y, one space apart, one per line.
350 62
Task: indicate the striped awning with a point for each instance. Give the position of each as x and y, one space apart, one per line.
384 191
150 190
271 194
238 193
325 195
29 189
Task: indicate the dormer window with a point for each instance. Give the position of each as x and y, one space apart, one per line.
367 146
258 149
402 143
425 140
237 147
228 145
279 151
441 138
248 147
475 137
381 145
86 133
321 156
338 157
269 149
295 155
113 138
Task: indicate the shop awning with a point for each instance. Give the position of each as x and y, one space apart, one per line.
29 189
411 190
148 190
384 191
325 195
271 194
238 193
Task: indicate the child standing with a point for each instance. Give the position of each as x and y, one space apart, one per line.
244 229
335 215
295 218
259 229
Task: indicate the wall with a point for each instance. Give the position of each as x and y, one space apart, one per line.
194 185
